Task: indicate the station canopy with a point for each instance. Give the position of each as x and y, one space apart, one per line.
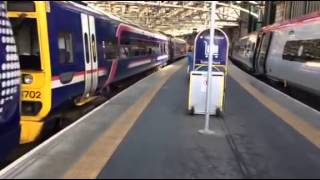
179 17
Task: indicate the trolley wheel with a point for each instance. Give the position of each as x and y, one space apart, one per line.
191 111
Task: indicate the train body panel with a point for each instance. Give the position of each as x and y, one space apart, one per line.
9 88
138 52
69 69
294 56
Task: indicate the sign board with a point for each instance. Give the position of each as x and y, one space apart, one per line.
202 47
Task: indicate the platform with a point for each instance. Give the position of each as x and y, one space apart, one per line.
145 132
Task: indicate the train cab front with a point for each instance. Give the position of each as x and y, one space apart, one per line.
29 23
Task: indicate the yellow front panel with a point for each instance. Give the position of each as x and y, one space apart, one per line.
40 89
38 80
35 92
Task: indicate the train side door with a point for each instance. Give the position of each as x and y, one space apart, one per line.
262 53
94 62
90 54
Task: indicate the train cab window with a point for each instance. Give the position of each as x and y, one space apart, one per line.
21 6
65 48
26 36
110 48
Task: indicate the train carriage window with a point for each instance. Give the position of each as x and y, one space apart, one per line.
140 47
65 48
165 48
110 49
26 36
134 51
124 52
302 51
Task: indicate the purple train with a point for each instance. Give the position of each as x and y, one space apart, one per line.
70 52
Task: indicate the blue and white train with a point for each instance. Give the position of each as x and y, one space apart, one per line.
9 88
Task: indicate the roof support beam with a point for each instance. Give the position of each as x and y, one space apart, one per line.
143 3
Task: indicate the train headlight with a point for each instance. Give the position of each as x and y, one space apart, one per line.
27 79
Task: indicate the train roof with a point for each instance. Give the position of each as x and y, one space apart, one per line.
313 17
97 11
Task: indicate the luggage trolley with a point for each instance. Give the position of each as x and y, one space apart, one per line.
198 77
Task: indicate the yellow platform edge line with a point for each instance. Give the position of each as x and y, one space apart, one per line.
311 133
94 160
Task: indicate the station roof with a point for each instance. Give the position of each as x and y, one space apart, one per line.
178 17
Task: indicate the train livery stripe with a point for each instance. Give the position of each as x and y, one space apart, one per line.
139 63
163 57
128 28
146 61
113 71
77 78
313 17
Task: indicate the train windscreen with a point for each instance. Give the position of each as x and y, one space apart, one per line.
26 35
21 6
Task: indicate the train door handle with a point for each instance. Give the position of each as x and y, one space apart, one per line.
66 78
